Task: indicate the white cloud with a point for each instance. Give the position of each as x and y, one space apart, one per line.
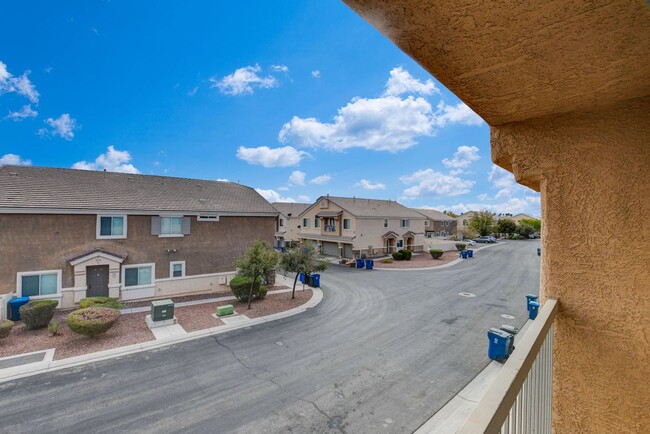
501 178
271 157
431 183
321 180
280 68
401 82
113 161
243 81
63 126
297 177
25 112
303 198
380 124
456 114
14 160
463 158
193 91
273 196
21 85
315 73
368 185
223 180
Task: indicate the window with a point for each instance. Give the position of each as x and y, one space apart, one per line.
138 275
177 269
111 226
35 283
207 218
171 225
400 243
346 224
281 222
305 223
385 223
316 222
404 223
426 223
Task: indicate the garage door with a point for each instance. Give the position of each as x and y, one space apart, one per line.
331 249
347 250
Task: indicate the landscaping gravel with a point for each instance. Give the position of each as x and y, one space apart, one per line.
421 260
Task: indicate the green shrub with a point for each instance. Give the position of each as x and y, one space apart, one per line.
387 261
240 287
436 253
5 328
54 328
460 246
100 302
406 254
398 256
262 292
38 313
92 321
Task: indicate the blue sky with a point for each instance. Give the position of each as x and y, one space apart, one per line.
295 98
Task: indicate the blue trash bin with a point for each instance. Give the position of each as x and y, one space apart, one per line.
499 344
529 298
301 277
370 264
463 254
539 251
470 253
533 308
361 263
14 307
315 281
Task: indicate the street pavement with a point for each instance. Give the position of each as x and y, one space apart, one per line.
382 352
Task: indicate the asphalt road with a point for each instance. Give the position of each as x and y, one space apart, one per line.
382 352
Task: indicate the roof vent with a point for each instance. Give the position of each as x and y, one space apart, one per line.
203 200
13 173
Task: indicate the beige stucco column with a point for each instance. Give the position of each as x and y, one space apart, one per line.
593 170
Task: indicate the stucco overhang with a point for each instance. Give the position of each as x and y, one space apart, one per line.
97 253
390 234
514 60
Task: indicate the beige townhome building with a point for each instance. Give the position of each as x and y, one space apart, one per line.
67 234
349 227
289 222
462 224
437 224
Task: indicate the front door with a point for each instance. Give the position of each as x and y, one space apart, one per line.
97 280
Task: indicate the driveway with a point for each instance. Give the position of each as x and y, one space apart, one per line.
382 353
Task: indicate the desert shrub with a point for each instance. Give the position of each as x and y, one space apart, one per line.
54 328
460 246
92 321
100 302
436 253
5 328
38 313
240 287
406 254
387 261
398 256
262 292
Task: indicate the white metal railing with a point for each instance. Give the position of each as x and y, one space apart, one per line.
520 399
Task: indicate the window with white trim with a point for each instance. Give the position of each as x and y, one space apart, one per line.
385 223
111 226
305 222
171 225
177 269
37 283
404 223
317 222
346 224
281 222
138 275
400 243
426 223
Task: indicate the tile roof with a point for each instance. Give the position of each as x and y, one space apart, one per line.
434 214
373 207
28 187
286 208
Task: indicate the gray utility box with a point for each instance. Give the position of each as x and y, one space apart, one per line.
162 310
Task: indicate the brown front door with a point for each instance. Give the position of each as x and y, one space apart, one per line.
97 280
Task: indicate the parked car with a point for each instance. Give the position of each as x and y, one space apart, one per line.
469 242
485 240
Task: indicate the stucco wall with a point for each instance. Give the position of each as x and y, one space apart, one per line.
48 242
593 170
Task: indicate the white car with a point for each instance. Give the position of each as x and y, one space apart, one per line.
469 242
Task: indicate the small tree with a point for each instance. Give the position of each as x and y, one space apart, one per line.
525 229
506 226
301 260
535 223
258 261
482 222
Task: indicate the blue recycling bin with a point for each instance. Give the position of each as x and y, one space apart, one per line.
463 254
370 264
533 309
470 253
529 298
301 277
14 307
539 251
361 263
499 345
315 281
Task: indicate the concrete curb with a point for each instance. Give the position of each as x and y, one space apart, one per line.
437 267
50 365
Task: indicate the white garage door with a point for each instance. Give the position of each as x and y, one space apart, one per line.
347 251
331 249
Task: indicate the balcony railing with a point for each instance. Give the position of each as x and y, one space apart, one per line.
329 228
520 399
